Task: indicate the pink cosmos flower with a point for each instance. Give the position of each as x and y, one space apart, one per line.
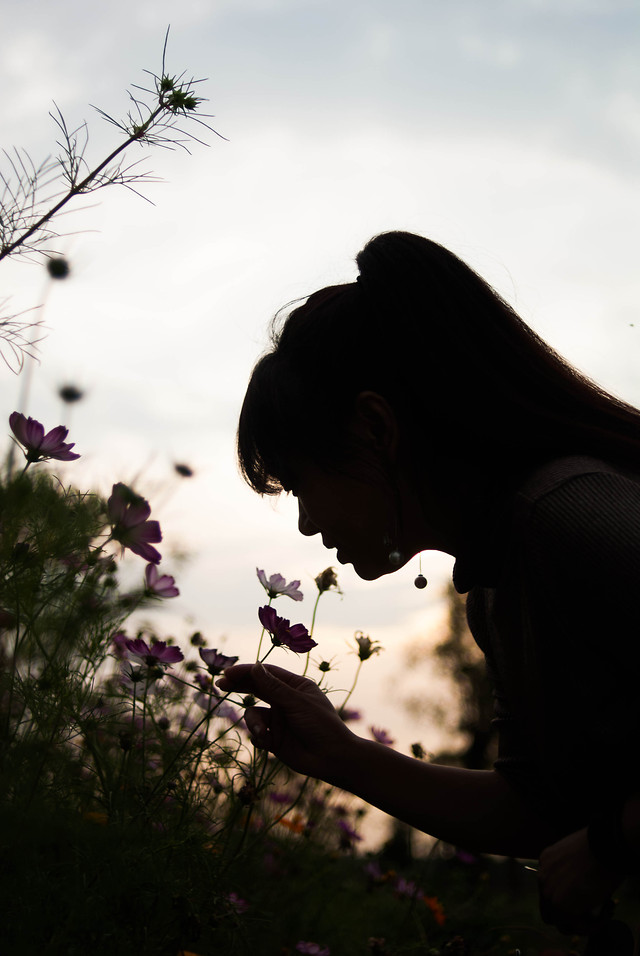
295 637
37 445
215 661
161 585
128 513
158 655
314 949
381 736
276 585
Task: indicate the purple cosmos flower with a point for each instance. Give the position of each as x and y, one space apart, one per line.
158 655
276 585
381 736
295 637
349 834
37 445
407 888
314 949
119 642
280 797
237 903
347 714
215 661
162 585
128 513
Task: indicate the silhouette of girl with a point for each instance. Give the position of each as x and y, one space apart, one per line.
413 410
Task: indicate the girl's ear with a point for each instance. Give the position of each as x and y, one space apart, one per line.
375 424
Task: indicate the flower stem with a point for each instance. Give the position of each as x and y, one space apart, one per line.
353 686
313 624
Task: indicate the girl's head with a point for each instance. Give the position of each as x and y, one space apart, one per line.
468 382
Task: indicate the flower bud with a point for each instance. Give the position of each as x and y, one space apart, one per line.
326 580
366 647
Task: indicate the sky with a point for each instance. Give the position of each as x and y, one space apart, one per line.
508 130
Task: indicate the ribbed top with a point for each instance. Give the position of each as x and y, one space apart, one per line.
554 603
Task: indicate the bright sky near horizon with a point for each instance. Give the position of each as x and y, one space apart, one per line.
509 131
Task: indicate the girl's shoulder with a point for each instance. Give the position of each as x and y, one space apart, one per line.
566 472
579 518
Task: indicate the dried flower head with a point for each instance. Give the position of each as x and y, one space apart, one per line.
183 470
366 647
70 393
58 267
327 580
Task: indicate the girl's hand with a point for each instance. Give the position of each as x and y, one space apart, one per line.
301 727
575 891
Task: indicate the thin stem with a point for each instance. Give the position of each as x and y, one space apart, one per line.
263 630
353 686
313 623
80 187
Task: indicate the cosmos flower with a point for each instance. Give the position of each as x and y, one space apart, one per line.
38 446
237 904
409 888
381 736
161 585
312 949
347 714
128 514
215 661
276 585
349 835
154 655
119 642
295 637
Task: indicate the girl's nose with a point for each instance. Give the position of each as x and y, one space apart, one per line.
305 525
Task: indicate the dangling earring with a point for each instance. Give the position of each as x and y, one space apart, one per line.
395 557
420 582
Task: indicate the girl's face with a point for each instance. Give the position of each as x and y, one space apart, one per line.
353 512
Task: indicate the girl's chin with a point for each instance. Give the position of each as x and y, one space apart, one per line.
367 572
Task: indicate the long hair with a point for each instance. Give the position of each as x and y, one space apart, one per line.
463 373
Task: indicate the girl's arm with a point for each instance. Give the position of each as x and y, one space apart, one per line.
474 809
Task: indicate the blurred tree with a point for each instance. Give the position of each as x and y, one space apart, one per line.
458 657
